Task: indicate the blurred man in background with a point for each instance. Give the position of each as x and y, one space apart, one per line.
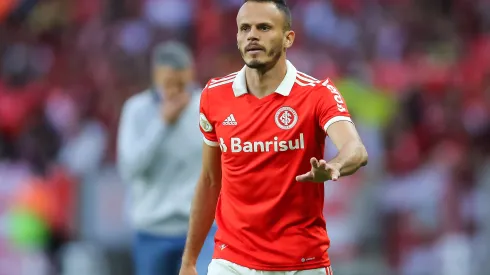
159 149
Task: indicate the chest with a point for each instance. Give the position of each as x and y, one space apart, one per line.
280 124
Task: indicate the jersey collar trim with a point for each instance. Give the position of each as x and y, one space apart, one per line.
240 84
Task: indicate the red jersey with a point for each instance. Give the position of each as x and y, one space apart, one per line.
266 220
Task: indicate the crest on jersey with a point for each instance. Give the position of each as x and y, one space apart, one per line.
205 125
286 118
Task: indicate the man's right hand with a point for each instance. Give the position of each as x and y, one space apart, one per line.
188 270
173 107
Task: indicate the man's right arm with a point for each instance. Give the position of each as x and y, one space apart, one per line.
138 141
207 190
204 204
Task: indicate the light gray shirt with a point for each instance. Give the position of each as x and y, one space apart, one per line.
160 163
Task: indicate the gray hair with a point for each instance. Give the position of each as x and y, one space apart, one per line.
173 54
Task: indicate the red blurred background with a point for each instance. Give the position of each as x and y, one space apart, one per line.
415 74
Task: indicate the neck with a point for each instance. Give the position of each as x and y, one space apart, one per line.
262 83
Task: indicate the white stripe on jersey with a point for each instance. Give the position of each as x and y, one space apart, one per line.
299 76
221 83
235 73
210 143
304 84
307 76
216 80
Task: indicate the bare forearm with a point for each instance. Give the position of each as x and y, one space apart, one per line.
202 216
351 157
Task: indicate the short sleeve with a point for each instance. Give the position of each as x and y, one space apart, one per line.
330 105
205 123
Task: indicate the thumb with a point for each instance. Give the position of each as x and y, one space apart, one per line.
305 177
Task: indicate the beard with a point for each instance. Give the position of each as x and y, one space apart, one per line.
272 56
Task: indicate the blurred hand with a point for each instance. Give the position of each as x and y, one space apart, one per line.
172 107
188 270
321 171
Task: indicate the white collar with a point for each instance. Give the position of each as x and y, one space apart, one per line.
240 83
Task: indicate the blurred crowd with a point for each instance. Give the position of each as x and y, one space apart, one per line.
415 75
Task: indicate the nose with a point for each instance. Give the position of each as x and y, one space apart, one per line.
253 34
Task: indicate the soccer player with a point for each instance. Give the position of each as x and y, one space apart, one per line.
262 169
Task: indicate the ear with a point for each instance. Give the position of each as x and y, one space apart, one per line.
289 39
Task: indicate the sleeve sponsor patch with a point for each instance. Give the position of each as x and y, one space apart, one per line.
205 125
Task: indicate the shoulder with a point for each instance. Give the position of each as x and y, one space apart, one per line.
309 84
138 101
314 85
305 80
218 84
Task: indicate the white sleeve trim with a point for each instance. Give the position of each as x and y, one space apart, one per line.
210 143
336 119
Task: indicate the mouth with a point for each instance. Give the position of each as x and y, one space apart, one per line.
254 49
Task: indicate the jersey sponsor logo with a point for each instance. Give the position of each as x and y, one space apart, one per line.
205 125
230 120
286 118
274 145
222 145
337 96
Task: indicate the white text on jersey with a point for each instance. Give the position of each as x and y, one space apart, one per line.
275 145
337 95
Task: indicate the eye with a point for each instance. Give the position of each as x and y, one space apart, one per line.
244 28
264 28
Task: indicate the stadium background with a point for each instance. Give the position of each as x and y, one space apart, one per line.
415 74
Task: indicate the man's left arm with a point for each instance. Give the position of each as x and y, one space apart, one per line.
334 118
352 154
